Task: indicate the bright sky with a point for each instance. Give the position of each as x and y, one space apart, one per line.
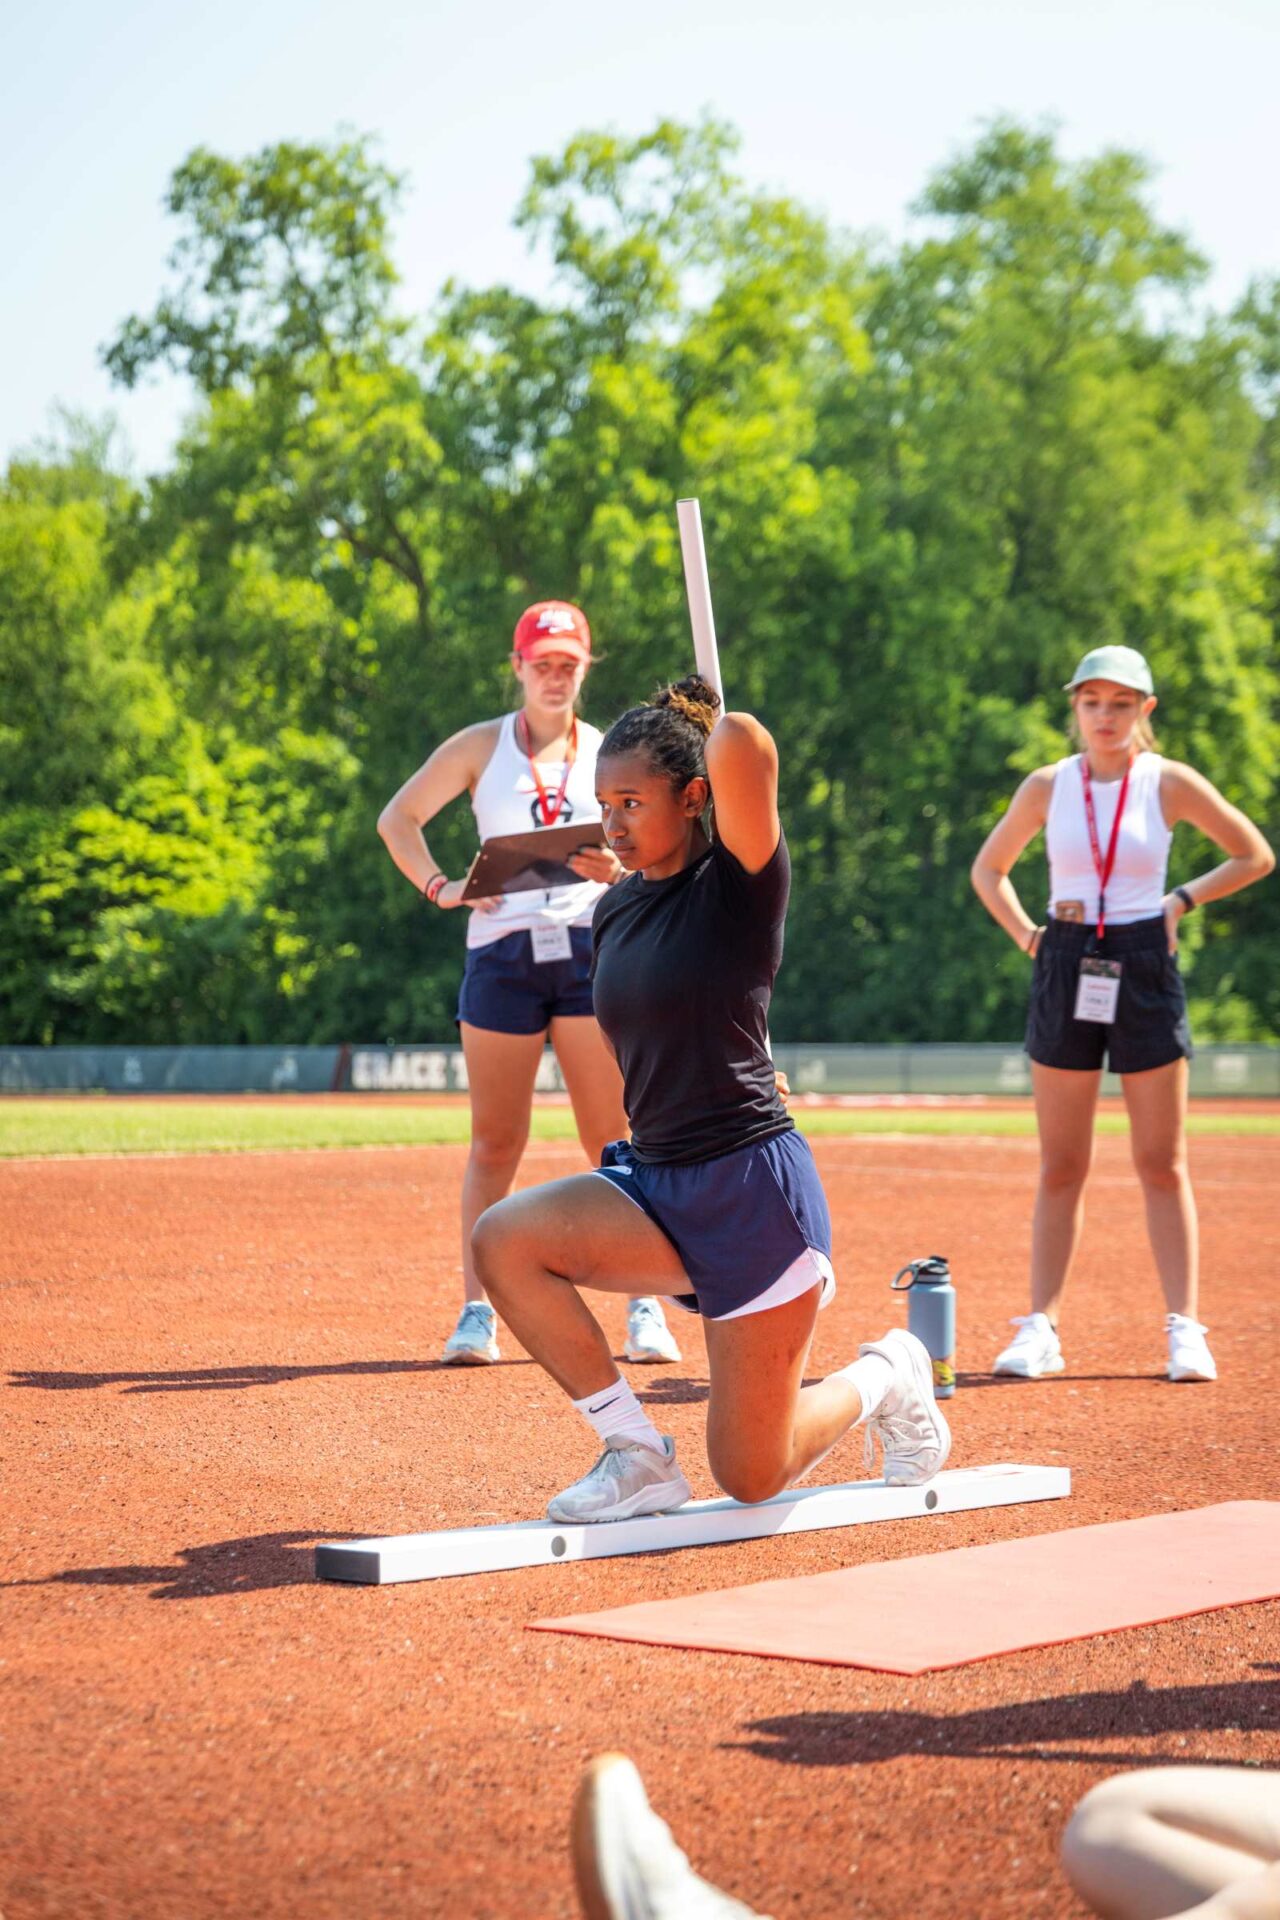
847 105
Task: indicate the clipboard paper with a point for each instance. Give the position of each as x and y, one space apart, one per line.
527 862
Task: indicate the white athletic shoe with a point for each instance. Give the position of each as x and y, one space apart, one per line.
649 1338
908 1422
1189 1355
625 1861
628 1479
474 1341
1034 1349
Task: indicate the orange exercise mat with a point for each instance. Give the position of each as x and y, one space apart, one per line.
945 1609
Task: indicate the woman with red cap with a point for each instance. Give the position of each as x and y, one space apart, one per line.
526 978
1106 986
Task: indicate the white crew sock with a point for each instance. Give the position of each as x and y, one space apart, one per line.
871 1377
615 1410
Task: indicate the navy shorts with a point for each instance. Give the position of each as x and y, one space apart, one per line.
505 990
1150 1028
751 1227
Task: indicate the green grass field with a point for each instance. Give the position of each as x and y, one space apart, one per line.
56 1125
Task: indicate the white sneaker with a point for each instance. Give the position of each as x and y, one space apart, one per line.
908 1422
474 1341
1034 1349
625 1861
649 1338
628 1479
1189 1355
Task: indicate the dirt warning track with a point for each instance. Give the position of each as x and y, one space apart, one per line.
212 1362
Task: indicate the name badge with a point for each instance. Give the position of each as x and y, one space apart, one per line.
550 943
1098 991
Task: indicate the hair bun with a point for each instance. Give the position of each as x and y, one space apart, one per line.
694 699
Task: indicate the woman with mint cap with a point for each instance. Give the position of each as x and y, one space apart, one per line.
1106 983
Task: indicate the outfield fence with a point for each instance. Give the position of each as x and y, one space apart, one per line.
825 1071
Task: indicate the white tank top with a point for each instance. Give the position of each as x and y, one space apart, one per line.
1137 886
506 801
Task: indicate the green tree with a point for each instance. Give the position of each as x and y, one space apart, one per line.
931 477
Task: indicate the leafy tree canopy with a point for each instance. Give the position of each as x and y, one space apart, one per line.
932 476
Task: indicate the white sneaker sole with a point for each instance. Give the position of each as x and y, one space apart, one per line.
650 1356
469 1356
1192 1373
1022 1370
594 1842
922 1368
661 1496
625 1861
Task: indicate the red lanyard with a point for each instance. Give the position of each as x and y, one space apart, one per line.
1103 868
550 809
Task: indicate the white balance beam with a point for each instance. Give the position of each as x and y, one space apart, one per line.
700 1523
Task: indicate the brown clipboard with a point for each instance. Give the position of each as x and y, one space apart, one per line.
526 862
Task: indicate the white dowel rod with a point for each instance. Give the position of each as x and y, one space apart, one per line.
697 584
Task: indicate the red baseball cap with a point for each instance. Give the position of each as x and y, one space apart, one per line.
552 626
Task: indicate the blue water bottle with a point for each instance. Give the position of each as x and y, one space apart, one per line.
931 1316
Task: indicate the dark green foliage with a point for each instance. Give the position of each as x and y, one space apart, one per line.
930 480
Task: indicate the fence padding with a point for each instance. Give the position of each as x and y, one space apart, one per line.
834 1071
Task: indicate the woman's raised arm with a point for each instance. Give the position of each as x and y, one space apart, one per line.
742 766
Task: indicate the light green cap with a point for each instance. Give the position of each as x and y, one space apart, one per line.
1124 665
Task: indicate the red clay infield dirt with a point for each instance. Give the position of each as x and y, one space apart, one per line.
216 1361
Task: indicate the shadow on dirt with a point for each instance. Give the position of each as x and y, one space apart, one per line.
672 1392
251 1565
1056 1381
227 1379
1058 1728
688 1393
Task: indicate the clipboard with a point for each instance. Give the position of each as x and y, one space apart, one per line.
526 862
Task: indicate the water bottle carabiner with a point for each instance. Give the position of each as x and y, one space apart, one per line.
937 1260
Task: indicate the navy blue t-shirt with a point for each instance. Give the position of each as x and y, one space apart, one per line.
683 972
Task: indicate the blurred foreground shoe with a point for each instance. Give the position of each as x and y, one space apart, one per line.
1189 1355
649 1338
908 1423
474 1341
625 1861
628 1479
1034 1349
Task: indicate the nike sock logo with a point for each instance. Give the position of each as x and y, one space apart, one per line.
603 1404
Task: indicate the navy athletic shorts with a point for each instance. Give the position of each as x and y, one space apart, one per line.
751 1227
1150 1028
505 990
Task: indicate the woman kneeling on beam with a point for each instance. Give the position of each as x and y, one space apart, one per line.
715 1197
